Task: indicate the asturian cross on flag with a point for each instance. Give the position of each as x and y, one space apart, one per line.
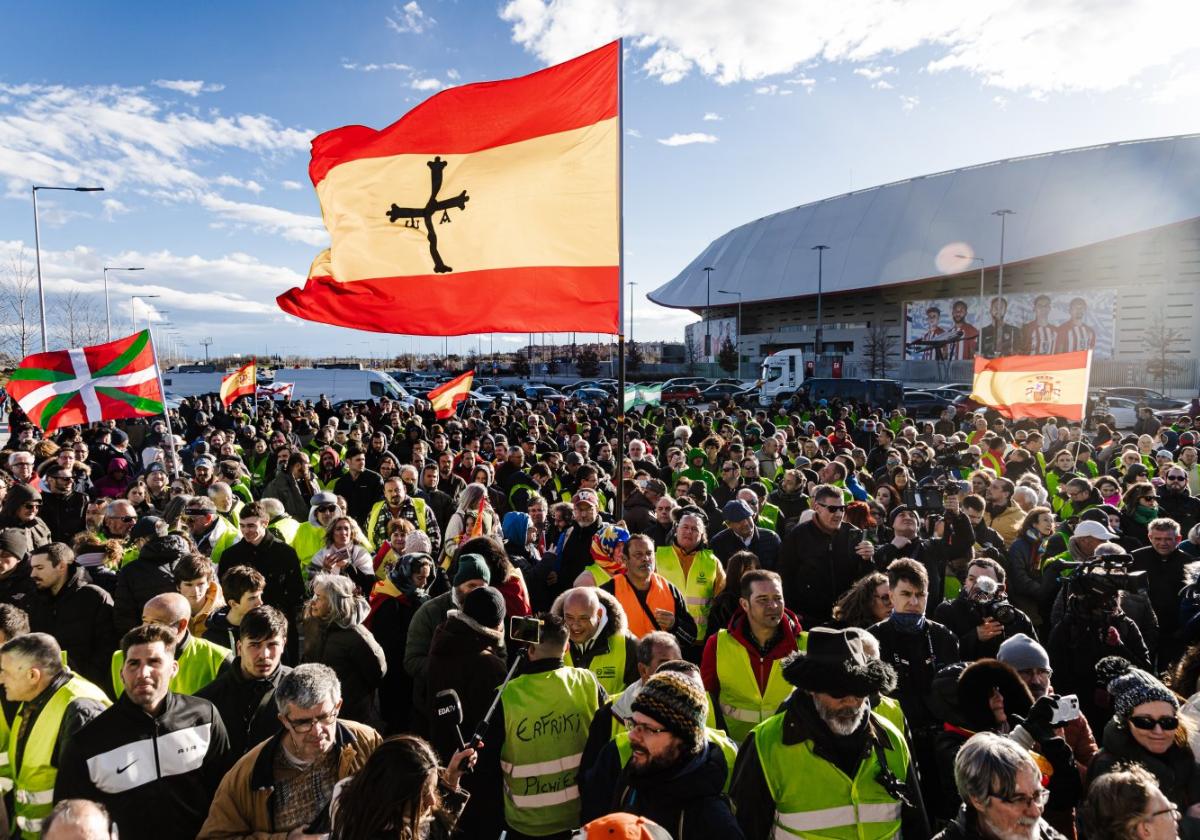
490 207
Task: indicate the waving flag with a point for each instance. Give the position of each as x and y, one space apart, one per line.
491 207
280 390
240 383
1034 386
445 398
88 384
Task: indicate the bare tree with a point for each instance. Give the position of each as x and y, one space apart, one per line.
18 307
1160 342
76 320
878 349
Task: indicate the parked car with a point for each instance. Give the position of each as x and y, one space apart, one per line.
687 394
542 392
723 391
591 396
1145 396
925 404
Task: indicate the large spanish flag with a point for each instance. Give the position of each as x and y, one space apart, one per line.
445 398
241 383
491 207
1034 386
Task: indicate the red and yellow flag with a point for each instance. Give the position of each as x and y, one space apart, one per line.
491 207
1034 386
89 384
445 398
241 383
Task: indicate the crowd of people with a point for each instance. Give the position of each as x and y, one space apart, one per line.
298 620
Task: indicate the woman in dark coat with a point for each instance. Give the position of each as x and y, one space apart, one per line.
393 603
334 635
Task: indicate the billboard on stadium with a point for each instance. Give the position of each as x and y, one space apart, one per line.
1023 323
720 329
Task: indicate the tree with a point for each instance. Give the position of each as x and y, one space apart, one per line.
633 356
588 362
727 358
880 345
18 305
76 320
520 365
690 352
1160 342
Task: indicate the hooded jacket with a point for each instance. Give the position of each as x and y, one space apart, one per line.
115 480
80 618
150 573
35 531
614 632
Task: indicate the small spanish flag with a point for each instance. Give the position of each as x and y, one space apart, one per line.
1034 386
241 383
445 398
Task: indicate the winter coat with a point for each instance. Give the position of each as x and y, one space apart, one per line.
65 516
116 479
416 653
685 799
965 827
765 545
817 568
962 617
287 490
1075 649
17 587
1024 582
80 618
243 808
355 657
278 563
360 494
615 632
246 705
1175 770
467 658
150 574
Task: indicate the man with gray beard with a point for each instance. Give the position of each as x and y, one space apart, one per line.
827 764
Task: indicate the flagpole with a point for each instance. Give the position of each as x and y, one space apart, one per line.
166 411
254 392
619 509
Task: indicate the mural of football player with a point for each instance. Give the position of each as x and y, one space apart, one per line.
998 338
1074 334
1039 336
964 349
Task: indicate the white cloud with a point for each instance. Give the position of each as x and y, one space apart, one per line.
113 208
773 90
872 73
633 132
291 185
452 74
1001 102
882 84
411 19
189 87
296 227
805 82
909 103
687 139
230 181
712 116
1032 46
372 68
426 84
1180 86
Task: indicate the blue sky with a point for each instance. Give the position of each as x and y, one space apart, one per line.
196 118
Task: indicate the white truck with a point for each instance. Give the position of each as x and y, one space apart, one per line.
781 372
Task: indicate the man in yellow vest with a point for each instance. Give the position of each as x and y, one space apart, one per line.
199 659
599 640
827 766
13 622
55 704
397 504
690 564
540 729
741 665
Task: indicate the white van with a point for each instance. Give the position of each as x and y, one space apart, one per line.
192 384
340 384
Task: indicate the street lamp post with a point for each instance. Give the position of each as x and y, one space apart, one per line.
133 299
980 261
37 250
1000 283
818 344
707 306
107 310
739 327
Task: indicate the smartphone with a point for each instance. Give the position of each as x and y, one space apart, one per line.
525 629
1066 710
870 534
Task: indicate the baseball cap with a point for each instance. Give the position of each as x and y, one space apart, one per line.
205 461
586 497
1089 528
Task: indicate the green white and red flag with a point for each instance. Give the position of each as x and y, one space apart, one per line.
88 384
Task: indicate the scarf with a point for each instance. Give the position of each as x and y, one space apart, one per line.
1143 515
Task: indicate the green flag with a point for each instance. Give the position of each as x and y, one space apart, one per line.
636 395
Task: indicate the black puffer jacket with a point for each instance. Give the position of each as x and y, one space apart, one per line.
79 617
687 801
17 587
246 705
1175 770
149 575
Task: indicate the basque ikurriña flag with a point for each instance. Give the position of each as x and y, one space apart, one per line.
490 207
88 384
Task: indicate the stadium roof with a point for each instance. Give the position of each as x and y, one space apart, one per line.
912 230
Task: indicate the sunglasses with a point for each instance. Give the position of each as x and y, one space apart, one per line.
834 508
126 519
326 508
195 512
1177 478
1168 724
1149 498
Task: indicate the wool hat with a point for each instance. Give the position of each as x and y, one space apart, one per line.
835 663
736 510
118 436
899 509
148 526
14 541
472 567
23 493
1021 652
1129 687
622 826
483 611
677 703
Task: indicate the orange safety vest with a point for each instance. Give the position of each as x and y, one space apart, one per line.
658 598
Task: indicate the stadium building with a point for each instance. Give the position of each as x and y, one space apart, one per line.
1101 249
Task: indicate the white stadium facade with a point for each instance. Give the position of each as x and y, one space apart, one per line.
1101 249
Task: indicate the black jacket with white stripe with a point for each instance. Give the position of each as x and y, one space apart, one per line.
156 775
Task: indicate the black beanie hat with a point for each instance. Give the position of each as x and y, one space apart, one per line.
484 609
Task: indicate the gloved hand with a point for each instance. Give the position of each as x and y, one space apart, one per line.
1035 728
1112 638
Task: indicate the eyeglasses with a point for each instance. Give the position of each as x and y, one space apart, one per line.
125 519
1169 723
833 508
32 505
729 469
326 508
306 725
195 512
642 728
1177 478
1024 800
1173 811
1149 498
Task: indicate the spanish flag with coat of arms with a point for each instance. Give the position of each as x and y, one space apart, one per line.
1034 386
490 207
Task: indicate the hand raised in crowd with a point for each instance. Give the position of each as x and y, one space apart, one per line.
865 550
990 629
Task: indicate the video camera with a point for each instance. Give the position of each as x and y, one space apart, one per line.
1094 586
954 456
990 602
929 494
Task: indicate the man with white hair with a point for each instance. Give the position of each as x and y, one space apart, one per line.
1002 793
1025 497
